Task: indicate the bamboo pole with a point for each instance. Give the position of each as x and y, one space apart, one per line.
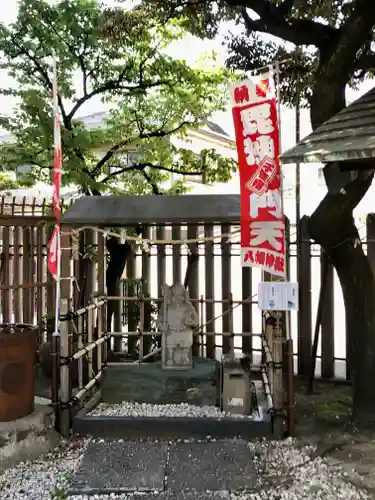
80 346
141 327
65 392
226 334
88 386
89 347
193 300
266 387
99 349
278 389
90 341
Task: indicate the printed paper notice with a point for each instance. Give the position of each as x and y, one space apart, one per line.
278 296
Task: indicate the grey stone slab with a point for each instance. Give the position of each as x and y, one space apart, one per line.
114 466
211 466
149 383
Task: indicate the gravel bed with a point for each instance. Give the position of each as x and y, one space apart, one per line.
285 472
130 409
45 479
302 476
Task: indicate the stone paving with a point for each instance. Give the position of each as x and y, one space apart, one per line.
205 470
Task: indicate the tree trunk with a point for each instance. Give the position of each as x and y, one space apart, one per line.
118 255
332 226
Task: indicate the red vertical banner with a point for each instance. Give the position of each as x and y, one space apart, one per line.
53 259
254 110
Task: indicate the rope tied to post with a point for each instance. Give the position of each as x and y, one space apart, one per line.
144 242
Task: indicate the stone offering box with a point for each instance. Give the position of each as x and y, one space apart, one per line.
203 385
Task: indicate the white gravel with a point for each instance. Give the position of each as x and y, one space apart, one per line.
302 476
129 409
294 472
45 479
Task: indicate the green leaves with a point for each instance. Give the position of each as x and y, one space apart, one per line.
116 57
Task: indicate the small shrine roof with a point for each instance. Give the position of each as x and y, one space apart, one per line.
347 136
114 211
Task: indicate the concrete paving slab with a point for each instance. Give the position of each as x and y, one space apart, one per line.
213 466
113 466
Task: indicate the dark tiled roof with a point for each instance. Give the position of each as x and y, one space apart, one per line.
177 209
349 135
216 129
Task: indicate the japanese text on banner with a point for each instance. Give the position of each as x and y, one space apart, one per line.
257 136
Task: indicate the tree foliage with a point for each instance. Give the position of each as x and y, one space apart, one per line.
303 33
149 95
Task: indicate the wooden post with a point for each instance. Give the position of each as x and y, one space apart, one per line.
230 326
370 236
193 277
17 267
176 254
328 321
102 287
5 275
247 312
141 327
161 269
27 275
65 384
304 312
132 305
39 274
146 274
210 290
226 278
278 394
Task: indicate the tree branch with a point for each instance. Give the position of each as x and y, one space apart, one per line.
353 35
274 21
155 188
115 85
118 172
141 166
366 62
143 135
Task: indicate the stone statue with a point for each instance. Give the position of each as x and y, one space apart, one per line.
177 320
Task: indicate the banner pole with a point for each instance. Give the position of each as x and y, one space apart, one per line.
56 206
56 153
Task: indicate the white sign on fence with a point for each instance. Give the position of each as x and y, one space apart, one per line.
277 296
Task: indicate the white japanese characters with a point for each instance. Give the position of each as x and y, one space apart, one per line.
258 150
257 119
271 199
271 232
258 88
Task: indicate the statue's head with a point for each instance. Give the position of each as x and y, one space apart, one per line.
177 294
